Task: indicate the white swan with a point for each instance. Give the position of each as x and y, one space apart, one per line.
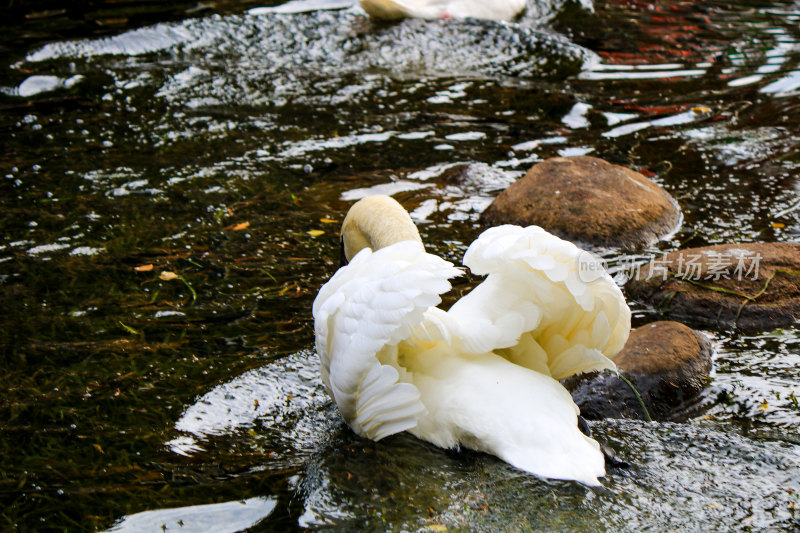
484 374
436 9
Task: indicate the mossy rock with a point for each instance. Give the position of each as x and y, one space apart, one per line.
750 286
668 364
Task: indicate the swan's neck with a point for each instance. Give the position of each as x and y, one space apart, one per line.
375 222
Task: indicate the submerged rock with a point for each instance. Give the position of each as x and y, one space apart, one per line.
749 285
588 200
668 364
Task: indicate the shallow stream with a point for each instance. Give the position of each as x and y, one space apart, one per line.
171 186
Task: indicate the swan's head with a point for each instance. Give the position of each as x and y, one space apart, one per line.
374 222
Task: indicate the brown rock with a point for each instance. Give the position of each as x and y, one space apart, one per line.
587 200
749 286
668 364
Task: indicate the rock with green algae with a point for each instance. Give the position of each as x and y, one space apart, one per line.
750 286
666 362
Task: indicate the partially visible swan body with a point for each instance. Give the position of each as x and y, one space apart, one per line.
483 374
436 9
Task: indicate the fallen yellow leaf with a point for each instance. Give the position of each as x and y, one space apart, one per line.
167 275
99 448
316 232
328 221
144 268
286 289
241 226
778 225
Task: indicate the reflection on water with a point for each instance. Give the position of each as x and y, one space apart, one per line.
757 377
639 72
786 86
42 84
686 117
227 517
171 196
303 6
270 395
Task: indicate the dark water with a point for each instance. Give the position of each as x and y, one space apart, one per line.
172 183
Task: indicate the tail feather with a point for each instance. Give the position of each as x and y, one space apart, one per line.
523 417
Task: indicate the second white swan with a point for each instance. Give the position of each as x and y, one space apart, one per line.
436 9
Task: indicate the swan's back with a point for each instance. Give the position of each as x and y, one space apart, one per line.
434 9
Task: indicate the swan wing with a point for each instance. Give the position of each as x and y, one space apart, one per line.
368 306
536 309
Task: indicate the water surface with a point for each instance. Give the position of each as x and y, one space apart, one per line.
172 185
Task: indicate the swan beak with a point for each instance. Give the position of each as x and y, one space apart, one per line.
342 256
